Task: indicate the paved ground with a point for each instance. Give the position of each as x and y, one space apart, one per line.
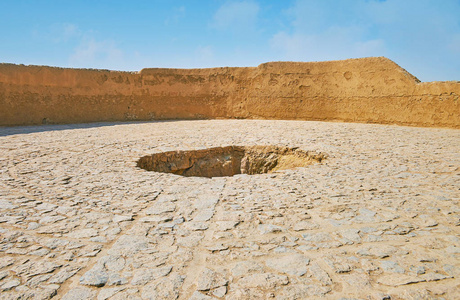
379 218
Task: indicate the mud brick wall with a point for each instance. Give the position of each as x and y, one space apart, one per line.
371 90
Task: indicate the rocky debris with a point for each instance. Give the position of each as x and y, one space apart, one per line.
220 291
245 267
106 293
398 279
118 219
294 264
80 293
217 247
83 233
97 276
159 208
128 245
204 215
195 226
305 225
380 251
391 266
210 279
64 274
303 291
226 225
163 288
263 281
199 296
269 228
143 276
32 268
339 264
320 274
351 235
9 284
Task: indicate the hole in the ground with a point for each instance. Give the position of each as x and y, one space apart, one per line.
229 161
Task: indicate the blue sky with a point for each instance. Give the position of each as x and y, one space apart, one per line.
422 36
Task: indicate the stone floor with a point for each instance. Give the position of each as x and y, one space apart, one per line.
379 219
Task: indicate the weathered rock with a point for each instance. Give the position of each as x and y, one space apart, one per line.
6 261
159 208
35 268
245 267
9 284
83 233
294 264
303 291
97 276
199 296
226 225
118 219
398 279
204 215
106 293
263 281
113 263
320 274
116 279
380 251
220 291
129 245
269 228
210 279
391 266
195 226
143 276
163 288
304 225
80 293
64 274
339 264
216 247
351 235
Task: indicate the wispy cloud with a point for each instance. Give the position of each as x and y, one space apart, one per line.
97 54
335 43
83 48
177 14
236 16
327 30
205 53
58 32
418 32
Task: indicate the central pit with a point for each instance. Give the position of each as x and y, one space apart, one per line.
229 160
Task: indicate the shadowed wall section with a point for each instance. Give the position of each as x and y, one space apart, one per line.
373 90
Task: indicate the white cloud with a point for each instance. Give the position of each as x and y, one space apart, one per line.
420 35
58 32
176 16
69 31
236 16
97 54
335 43
205 53
85 50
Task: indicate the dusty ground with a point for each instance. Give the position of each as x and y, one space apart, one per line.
380 217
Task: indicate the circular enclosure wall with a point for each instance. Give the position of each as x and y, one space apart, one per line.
229 161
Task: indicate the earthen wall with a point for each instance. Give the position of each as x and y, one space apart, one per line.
373 90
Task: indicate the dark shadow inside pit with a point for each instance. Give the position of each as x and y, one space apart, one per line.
229 161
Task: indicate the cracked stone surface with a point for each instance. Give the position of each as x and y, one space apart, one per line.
379 218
